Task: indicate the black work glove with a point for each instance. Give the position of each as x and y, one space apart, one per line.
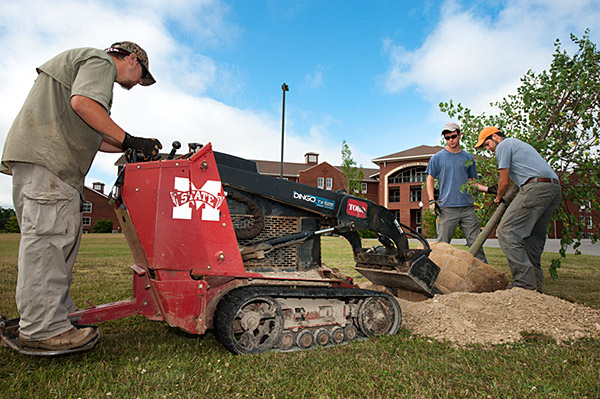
148 147
493 189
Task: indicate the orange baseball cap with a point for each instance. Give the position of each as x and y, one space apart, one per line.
485 133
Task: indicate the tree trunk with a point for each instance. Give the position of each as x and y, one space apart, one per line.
493 222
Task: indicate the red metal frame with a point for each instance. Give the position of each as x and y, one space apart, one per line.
179 230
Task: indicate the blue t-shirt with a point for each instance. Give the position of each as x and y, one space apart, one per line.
522 160
452 170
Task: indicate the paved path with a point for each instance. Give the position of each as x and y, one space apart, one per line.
552 245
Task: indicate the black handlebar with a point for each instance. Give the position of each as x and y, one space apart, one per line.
176 145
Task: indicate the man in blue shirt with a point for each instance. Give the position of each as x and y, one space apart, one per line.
522 231
453 168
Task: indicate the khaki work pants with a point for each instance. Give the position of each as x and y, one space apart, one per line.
522 232
467 218
48 211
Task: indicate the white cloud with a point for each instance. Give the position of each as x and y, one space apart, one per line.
488 56
176 108
475 58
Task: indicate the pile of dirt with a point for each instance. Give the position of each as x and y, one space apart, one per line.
498 317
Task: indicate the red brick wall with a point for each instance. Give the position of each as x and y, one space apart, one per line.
324 170
101 210
406 208
557 226
372 192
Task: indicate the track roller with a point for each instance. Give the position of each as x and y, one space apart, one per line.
350 332
286 341
337 335
322 336
305 339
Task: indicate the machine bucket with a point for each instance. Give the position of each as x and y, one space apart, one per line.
419 277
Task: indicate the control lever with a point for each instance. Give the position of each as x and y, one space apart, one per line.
194 147
176 145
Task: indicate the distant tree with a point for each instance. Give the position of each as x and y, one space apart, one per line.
5 215
558 113
429 223
103 226
12 225
353 174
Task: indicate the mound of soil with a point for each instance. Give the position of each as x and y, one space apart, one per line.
498 317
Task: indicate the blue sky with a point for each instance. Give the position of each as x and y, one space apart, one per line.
368 72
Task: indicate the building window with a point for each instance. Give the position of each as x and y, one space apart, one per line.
397 215
98 187
312 158
87 221
394 194
320 182
329 183
411 175
589 222
363 188
415 194
87 207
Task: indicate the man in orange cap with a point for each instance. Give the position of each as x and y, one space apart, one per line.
49 149
522 231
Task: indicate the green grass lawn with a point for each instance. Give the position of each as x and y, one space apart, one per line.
146 359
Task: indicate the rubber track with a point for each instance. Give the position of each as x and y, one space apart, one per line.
228 306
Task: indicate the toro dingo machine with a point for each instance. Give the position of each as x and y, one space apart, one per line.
218 246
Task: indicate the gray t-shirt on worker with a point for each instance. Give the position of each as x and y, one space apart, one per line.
452 170
47 131
523 161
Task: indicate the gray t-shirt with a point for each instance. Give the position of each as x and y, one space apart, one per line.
452 170
522 160
47 131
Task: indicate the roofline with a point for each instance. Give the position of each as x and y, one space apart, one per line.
401 158
96 191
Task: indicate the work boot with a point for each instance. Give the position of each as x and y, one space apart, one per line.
70 339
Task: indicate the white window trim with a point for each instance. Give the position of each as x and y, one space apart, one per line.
85 204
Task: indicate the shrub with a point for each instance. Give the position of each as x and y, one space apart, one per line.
103 226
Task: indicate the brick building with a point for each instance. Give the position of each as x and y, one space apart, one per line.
398 184
402 183
96 208
402 190
322 175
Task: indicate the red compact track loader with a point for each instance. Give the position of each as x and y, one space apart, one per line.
216 245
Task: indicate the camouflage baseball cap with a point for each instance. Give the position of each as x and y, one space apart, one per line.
131 47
